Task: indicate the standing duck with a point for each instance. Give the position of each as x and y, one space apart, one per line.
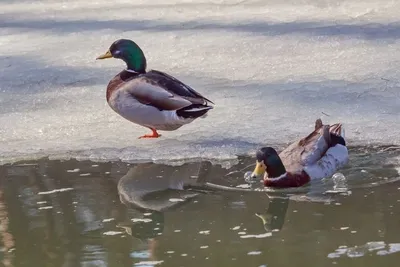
316 156
152 99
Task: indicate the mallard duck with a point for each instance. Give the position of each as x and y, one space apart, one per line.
316 156
152 99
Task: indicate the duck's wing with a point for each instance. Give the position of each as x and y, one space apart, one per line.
305 150
335 158
318 142
336 133
176 87
150 93
313 147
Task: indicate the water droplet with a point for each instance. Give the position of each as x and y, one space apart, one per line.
339 181
249 179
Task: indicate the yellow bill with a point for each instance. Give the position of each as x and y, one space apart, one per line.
259 169
106 55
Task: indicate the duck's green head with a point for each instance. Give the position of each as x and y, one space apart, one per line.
268 161
129 52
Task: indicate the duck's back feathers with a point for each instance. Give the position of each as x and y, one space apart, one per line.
310 149
176 87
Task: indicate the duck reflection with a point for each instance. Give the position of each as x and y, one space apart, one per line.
274 218
158 188
145 227
149 190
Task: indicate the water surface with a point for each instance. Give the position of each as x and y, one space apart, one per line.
69 213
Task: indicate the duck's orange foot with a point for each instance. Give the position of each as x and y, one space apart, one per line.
149 136
154 134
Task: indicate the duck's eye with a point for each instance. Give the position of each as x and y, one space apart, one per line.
117 53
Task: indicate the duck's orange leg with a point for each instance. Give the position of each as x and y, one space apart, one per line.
154 134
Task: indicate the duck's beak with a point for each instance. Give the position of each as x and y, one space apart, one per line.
106 55
259 170
263 217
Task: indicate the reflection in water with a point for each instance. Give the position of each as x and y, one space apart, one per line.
69 213
150 191
145 229
274 218
148 186
7 238
56 227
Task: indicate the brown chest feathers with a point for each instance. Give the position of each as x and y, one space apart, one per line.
119 79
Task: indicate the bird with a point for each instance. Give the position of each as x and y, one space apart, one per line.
152 99
316 156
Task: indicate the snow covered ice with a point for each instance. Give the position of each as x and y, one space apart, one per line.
272 68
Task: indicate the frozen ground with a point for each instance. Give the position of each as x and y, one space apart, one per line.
271 69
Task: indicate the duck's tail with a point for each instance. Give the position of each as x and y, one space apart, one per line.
337 134
333 134
193 111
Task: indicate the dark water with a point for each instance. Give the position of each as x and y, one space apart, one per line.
84 223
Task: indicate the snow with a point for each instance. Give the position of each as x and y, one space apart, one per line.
272 68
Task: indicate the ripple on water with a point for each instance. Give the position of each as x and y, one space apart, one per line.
142 254
112 233
254 253
55 191
206 232
257 236
380 248
148 263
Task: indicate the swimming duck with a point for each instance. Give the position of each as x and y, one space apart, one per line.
316 156
152 99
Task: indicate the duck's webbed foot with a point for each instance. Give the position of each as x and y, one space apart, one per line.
154 134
